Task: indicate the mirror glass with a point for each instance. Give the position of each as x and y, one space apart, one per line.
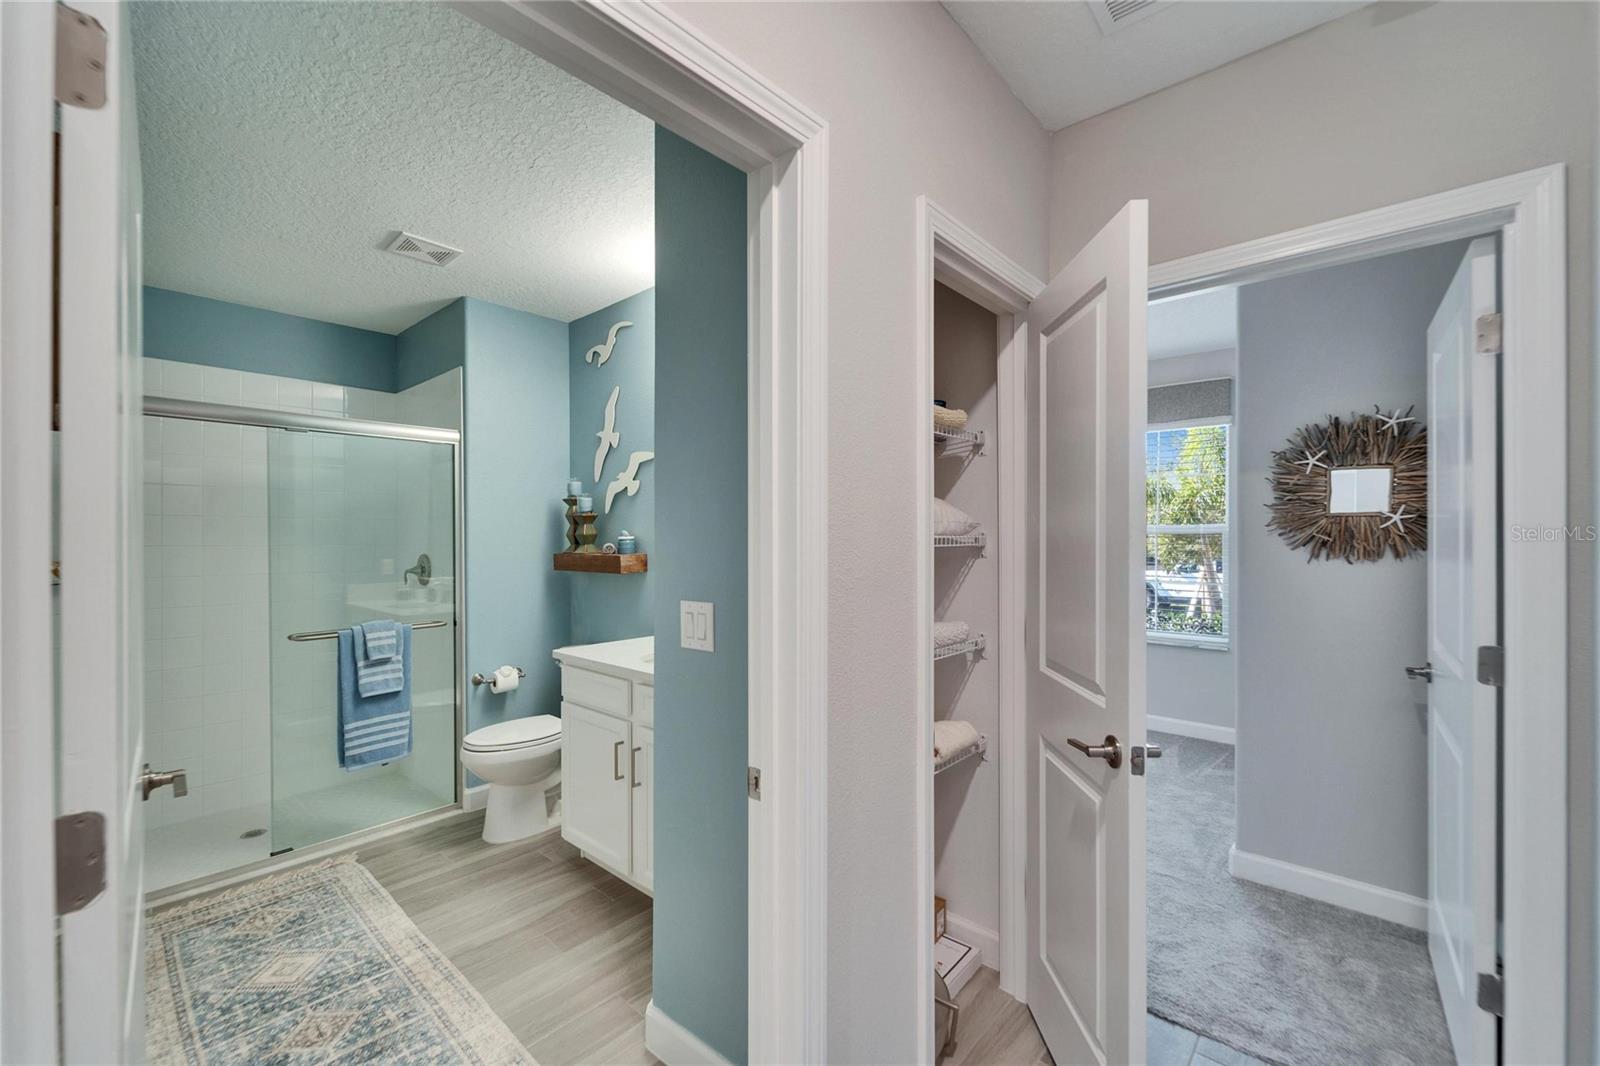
1359 489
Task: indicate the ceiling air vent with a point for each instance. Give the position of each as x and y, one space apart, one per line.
413 247
1113 15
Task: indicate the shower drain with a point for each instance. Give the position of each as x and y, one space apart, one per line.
248 833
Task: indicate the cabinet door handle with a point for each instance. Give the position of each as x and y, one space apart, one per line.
633 763
616 760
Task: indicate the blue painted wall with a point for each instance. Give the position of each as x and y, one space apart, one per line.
194 329
432 346
605 607
701 725
516 458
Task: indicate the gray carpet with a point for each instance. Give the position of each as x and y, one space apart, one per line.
1279 976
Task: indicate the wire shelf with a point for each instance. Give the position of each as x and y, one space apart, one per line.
954 758
966 438
968 540
964 648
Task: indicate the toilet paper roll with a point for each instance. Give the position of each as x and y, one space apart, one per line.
504 679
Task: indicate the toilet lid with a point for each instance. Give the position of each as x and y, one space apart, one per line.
517 733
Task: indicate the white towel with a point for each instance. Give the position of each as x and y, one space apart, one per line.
952 737
950 520
948 633
949 419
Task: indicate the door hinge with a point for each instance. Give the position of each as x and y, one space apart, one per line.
1488 333
1491 665
752 781
80 860
80 59
1492 994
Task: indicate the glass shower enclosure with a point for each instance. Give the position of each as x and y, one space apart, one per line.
266 532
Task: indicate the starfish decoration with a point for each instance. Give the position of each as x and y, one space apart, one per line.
1311 461
1392 420
1397 519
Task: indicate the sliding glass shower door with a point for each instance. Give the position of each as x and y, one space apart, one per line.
360 528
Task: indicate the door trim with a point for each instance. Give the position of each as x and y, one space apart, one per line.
1528 211
656 62
951 253
27 690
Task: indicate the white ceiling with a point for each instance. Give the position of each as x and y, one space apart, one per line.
1199 322
283 145
1065 70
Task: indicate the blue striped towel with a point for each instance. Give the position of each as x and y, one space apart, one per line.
378 667
373 729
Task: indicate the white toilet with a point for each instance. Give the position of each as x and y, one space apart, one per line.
521 761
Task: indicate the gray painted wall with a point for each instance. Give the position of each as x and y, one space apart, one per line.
1390 102
1332 737
604 606
701 708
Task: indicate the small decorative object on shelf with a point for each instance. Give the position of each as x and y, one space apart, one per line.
587 532
574 486
572 521
598 563
627 543
585 504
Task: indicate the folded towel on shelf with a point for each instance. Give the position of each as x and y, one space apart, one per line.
948 633
379 670
373 729
949 419
950 737
950 520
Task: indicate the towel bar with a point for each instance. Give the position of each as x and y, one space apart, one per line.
333 634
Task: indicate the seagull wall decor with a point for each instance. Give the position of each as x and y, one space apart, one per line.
628 481
609 437
603 351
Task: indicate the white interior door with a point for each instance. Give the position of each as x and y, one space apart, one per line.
1463 577
101 533
1085 649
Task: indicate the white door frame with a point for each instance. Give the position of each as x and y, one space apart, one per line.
1528 211
27 688
651 59
658 64
955 255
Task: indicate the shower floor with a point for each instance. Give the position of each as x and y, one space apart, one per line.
212 843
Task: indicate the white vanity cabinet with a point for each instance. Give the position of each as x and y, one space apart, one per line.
608 756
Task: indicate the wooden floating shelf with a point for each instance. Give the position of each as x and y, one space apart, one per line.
599 563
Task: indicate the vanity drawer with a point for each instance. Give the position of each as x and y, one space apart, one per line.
598 692
644 704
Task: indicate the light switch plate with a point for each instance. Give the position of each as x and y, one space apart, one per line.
697 625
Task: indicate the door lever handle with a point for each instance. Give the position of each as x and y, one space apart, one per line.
149 781
1421 673
1110 751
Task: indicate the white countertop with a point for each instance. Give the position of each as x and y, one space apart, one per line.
633 659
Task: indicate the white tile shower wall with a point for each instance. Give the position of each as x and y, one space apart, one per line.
206 652
436 402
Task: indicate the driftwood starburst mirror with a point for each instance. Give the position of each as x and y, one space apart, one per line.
1353 489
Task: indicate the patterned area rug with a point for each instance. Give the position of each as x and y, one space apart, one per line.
318 964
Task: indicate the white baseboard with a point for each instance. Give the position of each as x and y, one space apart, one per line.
675 1045
986 941
1222 734
1352 895
475 798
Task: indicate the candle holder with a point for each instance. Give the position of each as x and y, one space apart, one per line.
588 533
572 522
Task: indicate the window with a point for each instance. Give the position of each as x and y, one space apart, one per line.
1186 535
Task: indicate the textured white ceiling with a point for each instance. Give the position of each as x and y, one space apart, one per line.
283 144
1199 322
1064 69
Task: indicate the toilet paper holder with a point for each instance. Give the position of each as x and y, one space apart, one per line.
484 679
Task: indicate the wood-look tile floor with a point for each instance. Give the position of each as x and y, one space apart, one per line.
559 948
995 1030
